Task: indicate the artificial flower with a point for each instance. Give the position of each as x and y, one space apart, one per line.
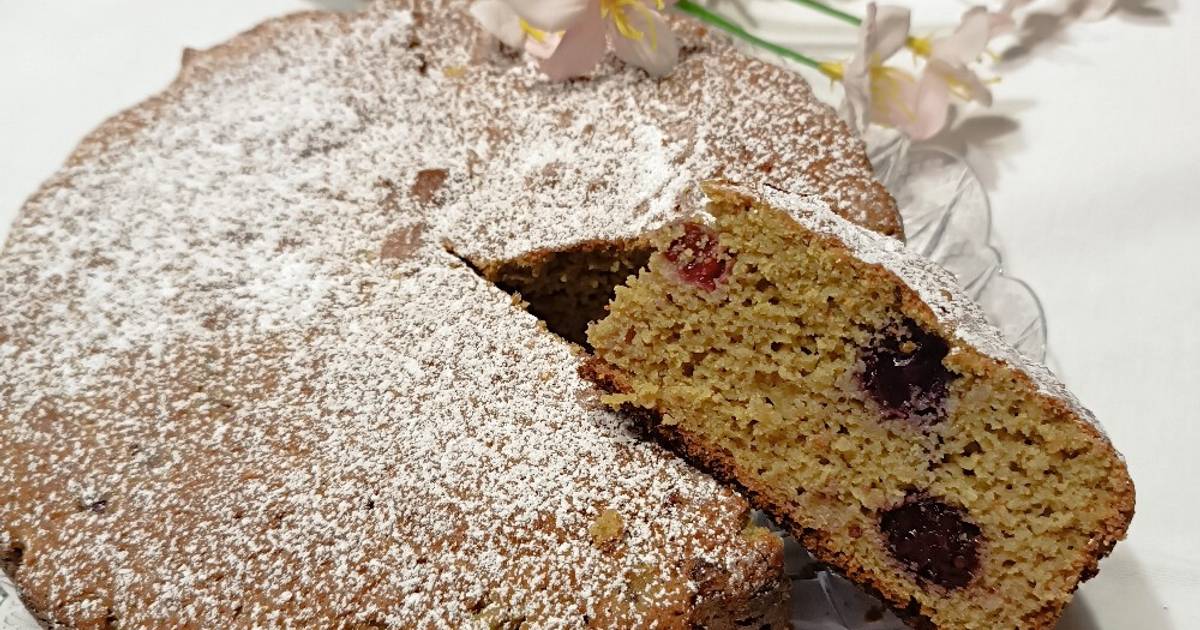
875 92
637 30
570 37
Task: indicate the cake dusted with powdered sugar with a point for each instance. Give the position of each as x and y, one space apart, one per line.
253 376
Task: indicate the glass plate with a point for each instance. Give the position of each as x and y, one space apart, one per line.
13 615
946 218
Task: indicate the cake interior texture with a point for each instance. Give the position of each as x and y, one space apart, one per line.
571 288
925 470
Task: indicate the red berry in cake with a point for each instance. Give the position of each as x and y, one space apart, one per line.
697 256
903 372
934 540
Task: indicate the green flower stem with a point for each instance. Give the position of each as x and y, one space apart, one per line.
830 11
912 42
708 17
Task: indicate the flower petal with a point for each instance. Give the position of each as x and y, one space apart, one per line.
962 81
856 102
553 15
862 51
968 41
931 107
497 18
892 24
656 52
543 48
580 50
893 97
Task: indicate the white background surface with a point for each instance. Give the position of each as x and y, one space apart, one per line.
1092 154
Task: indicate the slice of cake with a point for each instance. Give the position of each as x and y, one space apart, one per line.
864 402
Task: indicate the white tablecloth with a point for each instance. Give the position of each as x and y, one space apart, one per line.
1092 154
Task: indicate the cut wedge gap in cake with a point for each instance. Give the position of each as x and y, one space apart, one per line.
570 288
863 402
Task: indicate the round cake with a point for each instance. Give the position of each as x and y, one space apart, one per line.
260 369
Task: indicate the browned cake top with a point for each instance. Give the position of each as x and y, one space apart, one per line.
244 380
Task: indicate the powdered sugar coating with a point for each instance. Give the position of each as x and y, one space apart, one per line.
961 316
222 404
557 163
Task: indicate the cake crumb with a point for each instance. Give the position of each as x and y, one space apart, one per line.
607 529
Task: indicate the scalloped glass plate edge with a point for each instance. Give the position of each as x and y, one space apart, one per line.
947 218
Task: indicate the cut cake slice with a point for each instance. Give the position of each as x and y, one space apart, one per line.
864 402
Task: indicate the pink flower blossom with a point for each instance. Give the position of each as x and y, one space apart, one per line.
892 97
570 37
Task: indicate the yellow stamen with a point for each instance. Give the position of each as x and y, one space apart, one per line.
962 90
835 70
921 46
537 34
615 11
959 89
887 85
